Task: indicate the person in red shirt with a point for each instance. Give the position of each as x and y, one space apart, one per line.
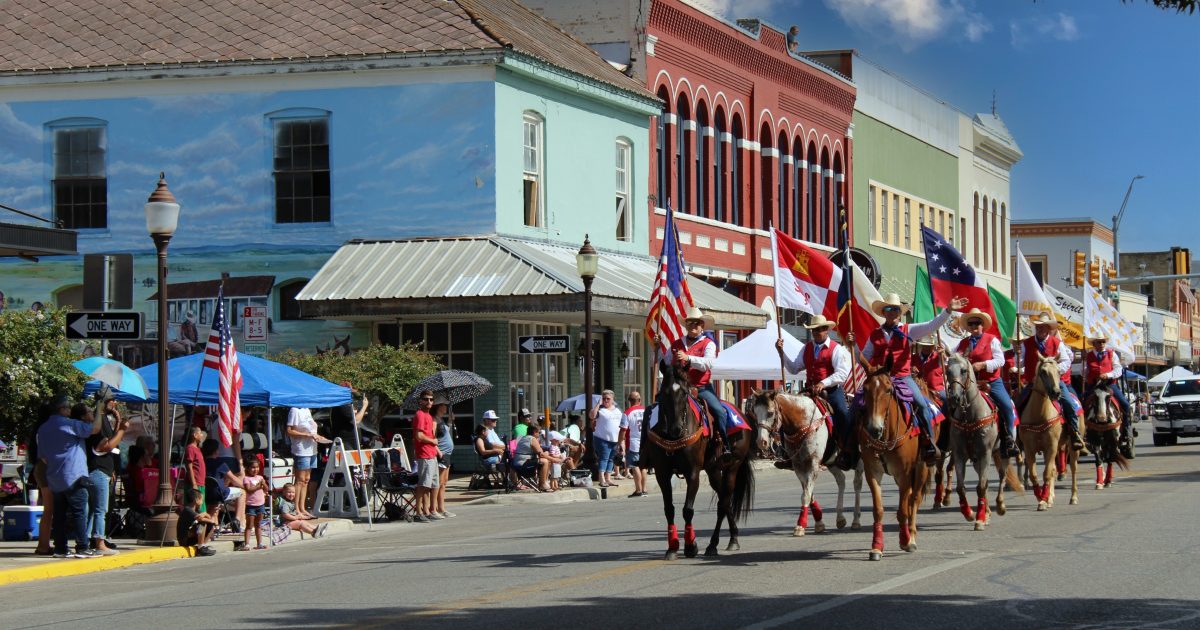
928 361
986 355
696 352
1102 363
426 452
826 365
193 460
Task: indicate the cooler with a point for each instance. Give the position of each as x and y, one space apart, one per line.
21 522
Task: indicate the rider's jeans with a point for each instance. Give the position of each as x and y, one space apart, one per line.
1004 403
715 408
920 406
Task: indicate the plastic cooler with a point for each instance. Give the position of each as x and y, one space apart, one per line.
21 522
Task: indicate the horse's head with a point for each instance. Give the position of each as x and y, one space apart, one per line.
877 398
1048 377
1098 413
672 400
760 408
960 381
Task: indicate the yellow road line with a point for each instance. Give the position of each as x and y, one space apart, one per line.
65 568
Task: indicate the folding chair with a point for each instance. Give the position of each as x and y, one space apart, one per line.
393 485
486 476
517 476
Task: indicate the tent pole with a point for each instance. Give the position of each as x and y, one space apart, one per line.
271 461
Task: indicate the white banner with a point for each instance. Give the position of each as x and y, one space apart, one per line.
1100 318
1031 300
1069 313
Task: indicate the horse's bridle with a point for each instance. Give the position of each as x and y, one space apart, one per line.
670 446
879 446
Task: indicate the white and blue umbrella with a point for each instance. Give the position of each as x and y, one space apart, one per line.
576 403
115 374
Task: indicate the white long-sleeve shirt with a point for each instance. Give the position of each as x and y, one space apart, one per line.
841 363
997 360
915 331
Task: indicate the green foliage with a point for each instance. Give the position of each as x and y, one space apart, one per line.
1178 6
35 366
381 372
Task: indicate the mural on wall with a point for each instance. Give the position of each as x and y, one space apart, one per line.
398 157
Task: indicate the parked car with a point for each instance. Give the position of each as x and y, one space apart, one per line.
1176 412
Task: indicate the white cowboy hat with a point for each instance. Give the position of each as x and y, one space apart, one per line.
1098 337
694 313
927 340
1043 319
975 313
819 321
890 299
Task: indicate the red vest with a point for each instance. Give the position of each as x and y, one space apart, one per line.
982 352
1098 365
818 368
899 348
696 378
930 369
1033 355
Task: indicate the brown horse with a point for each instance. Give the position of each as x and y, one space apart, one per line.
1041 432
887 440
677 445
1102 419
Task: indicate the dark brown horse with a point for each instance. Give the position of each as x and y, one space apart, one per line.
887 440
677 445
1102 419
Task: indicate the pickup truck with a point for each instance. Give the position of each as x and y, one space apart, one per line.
1176 412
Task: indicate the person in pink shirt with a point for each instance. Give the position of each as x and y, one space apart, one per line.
426 452
255 486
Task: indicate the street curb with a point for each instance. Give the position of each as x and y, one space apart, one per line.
66 568
565 495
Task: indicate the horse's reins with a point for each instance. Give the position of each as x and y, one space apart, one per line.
962 409
1049 422
881 446
670 446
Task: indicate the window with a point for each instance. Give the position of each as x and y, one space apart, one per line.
528 393
896 220
873 214
80 184
532 169
624 215
302 170
907 225
289 308
453 344
883 208
633 343
720 168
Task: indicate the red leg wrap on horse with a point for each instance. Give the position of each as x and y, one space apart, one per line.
1099 475
1108 474
672 538
1037 492
1062 461
816 511
905 537
877 537
937 493
689 536
981 512
802 520
965 508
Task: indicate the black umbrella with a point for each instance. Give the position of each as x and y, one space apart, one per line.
449 386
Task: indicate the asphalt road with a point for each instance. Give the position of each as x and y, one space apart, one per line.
1125 557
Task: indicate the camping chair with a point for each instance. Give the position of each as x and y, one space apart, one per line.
393 485
517 476
228 513
487 476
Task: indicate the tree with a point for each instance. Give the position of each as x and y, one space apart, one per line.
35 366
384 373
1179 6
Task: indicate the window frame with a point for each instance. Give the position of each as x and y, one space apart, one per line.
95 184
624 189
537 176
316 215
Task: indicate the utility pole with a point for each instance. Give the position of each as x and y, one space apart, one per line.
1116 224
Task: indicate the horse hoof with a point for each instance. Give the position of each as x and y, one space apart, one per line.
711 552
875 555
691 550
1042 506
1099 486
671 556
841 522
798 531
732 546
946 501
979 525
856 525
1001 509
910 547
819 528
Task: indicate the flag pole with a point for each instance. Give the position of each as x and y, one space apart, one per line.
778 311
1018 347
846 268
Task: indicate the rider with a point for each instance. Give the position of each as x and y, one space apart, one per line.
696 352
893 340
1045 343
828 367
986 355
1104 363
929 366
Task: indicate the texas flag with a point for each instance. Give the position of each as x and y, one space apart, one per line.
950 277
805 279
854 313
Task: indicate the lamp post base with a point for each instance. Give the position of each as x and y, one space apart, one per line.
160 529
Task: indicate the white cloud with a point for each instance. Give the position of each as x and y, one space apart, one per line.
1060 27
16 129
734 9
912 23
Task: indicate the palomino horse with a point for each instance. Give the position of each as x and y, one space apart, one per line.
677 445
887 439
974 437
1103 420
1042 432
805 439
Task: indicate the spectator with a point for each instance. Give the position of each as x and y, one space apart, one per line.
227 485
793 38
193 463
528 458
524 419
445 438
573 442
344 419
256 501
102 465
425 449
631 430
61 446
230 455
195 527
287 516
303 431
488 445
556 458
142 456
606 431
45 494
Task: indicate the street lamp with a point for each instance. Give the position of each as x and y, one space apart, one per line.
162 216
1116 222
588 263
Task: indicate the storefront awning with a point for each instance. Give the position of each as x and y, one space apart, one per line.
30 242
495 276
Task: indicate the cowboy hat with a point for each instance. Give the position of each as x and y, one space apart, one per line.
927 340
1098 336
975 313
1043 319
819 321
694 313
890 299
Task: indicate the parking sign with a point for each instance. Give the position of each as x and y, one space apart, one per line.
254 323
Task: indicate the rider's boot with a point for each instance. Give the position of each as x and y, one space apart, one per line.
929 452
1123 445
1008 447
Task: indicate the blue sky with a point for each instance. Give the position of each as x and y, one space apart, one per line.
1094 91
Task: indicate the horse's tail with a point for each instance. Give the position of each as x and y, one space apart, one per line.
1120 460
1013 479
742 501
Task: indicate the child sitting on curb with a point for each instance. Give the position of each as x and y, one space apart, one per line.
195 526
287 516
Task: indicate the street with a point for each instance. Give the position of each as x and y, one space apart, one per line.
1125 557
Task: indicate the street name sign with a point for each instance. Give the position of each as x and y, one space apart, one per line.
544 344
104 325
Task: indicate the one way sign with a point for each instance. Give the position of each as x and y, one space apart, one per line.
544 344
104 325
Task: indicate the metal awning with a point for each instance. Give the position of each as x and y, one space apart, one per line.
499 277
28 241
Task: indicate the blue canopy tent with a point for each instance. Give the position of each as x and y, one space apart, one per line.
1131 375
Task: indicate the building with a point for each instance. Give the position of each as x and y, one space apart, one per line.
1174 296
1051 245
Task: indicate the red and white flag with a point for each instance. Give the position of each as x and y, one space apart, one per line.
805 279
221 355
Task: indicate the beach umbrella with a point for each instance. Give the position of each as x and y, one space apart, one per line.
449 386
575 403
115 374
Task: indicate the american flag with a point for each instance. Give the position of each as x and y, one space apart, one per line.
221 355
670 297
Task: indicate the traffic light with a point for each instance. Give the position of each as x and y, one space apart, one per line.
1078 278
1094 274
1181 260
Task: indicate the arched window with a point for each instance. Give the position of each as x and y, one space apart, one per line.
799 172
826 207
533 174
814 185
995 236
784 175
661 151
767 172
720 164
683 153
975 222
736 164
1003 239
703 158
839 200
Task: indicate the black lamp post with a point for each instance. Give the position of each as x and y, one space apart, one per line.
588 262
162 216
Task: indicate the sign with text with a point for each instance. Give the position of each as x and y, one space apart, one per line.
544 344
254 349
254 323
104 325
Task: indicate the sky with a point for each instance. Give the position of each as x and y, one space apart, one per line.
1095 92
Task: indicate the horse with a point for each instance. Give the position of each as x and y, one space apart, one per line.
974 437
887 439
678 445
1041 432
805 438
1102 420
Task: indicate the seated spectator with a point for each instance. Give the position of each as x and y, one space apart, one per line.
195 527
142 455
488 444
228 484
287 516
528 456
573 442
524 419
555 455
